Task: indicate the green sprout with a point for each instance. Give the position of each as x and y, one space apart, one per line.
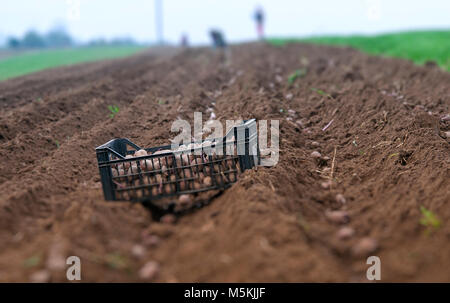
161 101
57 143
393 155
113 109
297 74
303 223
321 92
116 261
32 261
429 220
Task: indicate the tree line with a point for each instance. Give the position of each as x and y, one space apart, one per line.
57 38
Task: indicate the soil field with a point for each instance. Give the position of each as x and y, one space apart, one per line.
385 151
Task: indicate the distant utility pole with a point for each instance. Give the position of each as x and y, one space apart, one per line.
159 21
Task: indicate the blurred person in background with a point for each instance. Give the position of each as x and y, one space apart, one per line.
218 38
259 19
184 40
219 43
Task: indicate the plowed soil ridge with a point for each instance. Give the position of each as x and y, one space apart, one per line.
392 158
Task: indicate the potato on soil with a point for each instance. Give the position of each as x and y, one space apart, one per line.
316 155
168 219
341 199
337 216
326 184
150 240
345 233
364 247
149 271
446 117
447 134
56 259
41 276
138 251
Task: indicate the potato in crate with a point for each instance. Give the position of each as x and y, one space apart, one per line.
177 179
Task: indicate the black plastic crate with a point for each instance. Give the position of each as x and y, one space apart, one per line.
161 176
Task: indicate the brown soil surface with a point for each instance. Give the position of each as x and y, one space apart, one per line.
274 224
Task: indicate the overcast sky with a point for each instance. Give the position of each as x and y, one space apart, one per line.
135 18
